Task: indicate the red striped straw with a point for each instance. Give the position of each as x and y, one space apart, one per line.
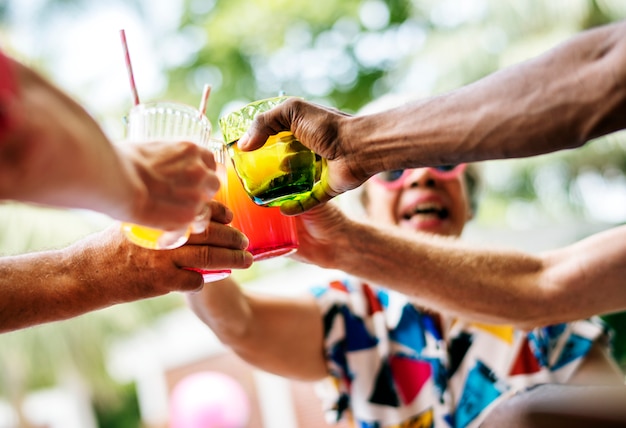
129 68
205 97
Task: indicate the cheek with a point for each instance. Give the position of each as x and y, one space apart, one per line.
382 207
462 210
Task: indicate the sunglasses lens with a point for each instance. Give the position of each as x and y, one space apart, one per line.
445 168
391 176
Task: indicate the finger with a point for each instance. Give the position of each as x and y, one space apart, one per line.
220 235
199 226
208 158
253 139
211 211
193 281
220 212
264 125
212 184
213 258
211 275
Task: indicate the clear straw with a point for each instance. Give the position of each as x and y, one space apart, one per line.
205 98
129 68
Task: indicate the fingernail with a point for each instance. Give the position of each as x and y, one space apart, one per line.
249 259
228 214
245 242
243 140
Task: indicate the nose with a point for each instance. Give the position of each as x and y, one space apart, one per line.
420 177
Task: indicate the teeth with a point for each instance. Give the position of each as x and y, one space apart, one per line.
427 208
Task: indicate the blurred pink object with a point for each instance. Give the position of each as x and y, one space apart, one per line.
209 400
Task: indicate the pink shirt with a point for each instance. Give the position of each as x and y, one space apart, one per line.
8 90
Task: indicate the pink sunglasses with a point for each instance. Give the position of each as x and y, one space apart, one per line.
396 178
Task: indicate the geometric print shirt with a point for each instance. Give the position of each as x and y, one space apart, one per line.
392 364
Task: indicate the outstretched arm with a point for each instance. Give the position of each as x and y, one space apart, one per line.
492 285
53 152
104 269
559 100
281 335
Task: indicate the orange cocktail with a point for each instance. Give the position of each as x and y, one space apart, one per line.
271 233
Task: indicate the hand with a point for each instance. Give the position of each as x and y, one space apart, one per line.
104 269
318 233
143 273
55 153
319 128
178 179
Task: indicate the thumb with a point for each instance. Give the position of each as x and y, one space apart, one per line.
252 140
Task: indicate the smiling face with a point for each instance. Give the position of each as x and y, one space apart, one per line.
424 201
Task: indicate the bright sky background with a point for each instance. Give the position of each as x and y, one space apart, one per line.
84 51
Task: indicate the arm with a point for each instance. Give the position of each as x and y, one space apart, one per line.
490 285
53 152
552 405
276 334
560 100
104 269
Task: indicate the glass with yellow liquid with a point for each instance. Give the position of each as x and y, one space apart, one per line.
282 170
164 121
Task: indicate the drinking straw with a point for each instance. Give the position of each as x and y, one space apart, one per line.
129 68
205 97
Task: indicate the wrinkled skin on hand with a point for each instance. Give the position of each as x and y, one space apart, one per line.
321 133
53 152
104 269
159 272
318 231
179 178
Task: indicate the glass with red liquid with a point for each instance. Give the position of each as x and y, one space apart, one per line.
271 233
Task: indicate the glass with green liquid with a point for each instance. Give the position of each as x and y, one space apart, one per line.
282 170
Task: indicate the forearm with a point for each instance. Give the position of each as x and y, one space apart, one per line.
276 334
223 307
50 135
50 286
491 285
559 100
105 269
445 274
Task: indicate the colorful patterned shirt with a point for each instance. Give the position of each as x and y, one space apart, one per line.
392 364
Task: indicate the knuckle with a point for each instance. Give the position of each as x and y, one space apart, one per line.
189 147
206 255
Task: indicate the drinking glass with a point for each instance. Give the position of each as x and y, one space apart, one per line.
164 121
271 234
282 170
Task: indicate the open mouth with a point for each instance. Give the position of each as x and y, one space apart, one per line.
429 209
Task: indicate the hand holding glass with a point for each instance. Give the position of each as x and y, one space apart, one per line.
165 121
282 170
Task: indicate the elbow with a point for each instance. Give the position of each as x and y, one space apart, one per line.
543 304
